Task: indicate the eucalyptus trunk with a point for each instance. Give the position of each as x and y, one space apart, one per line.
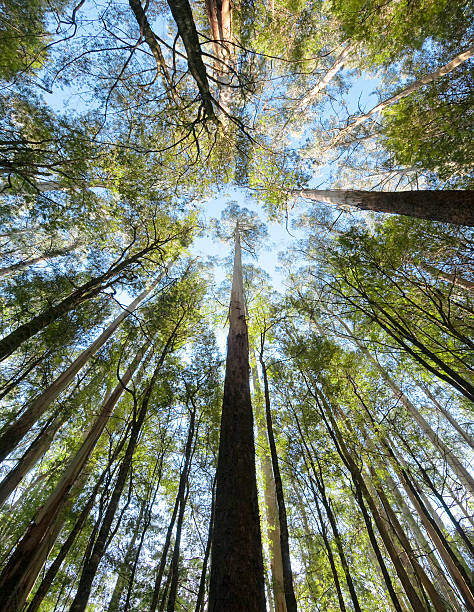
269 495
237 578
448 205
15 580
13 434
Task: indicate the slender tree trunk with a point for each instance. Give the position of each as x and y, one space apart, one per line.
448 206
455 279
237 578
37 449
13 434
271 505
284 544
14 580
182 497
207 552
124 569
85 292
419 572
92 562
321 85
53 569
454 463
349 462
21 265
429 78
443 584
448 416
318 478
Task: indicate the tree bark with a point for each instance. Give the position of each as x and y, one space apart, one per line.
237 578
92 562
447 206
455 279
183 16
269 494
429 78
284 544
85 292
12 435
207 552
15 578
22 265
182 498
37 449
454 463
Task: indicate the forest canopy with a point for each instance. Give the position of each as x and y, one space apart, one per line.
294 176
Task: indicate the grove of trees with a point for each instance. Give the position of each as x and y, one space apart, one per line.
323 459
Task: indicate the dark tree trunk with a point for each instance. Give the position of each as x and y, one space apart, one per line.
237 579
448 206
182 498
85 292
183 16
92 562
284 544
202 581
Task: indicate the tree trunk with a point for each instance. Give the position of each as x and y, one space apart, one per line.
21 265
202 581
85 292
183 16
11 435
124 569
14 580
284 544
448 416
455 279
237 578
429 78
92 562
359 483
37 449
269 494
182 498
448 206
454 463
53 569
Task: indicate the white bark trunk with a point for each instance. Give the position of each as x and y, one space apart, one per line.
41 403
429 78
454 463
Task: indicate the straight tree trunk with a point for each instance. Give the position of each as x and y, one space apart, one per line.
182 498
15 578
455 279
237 578
284 543
269 494
10 342
13 434
429 78
37 449
359 483
124 569
448 416
22 265
447 206
207 552
318 478
53 569
92 562
454 463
